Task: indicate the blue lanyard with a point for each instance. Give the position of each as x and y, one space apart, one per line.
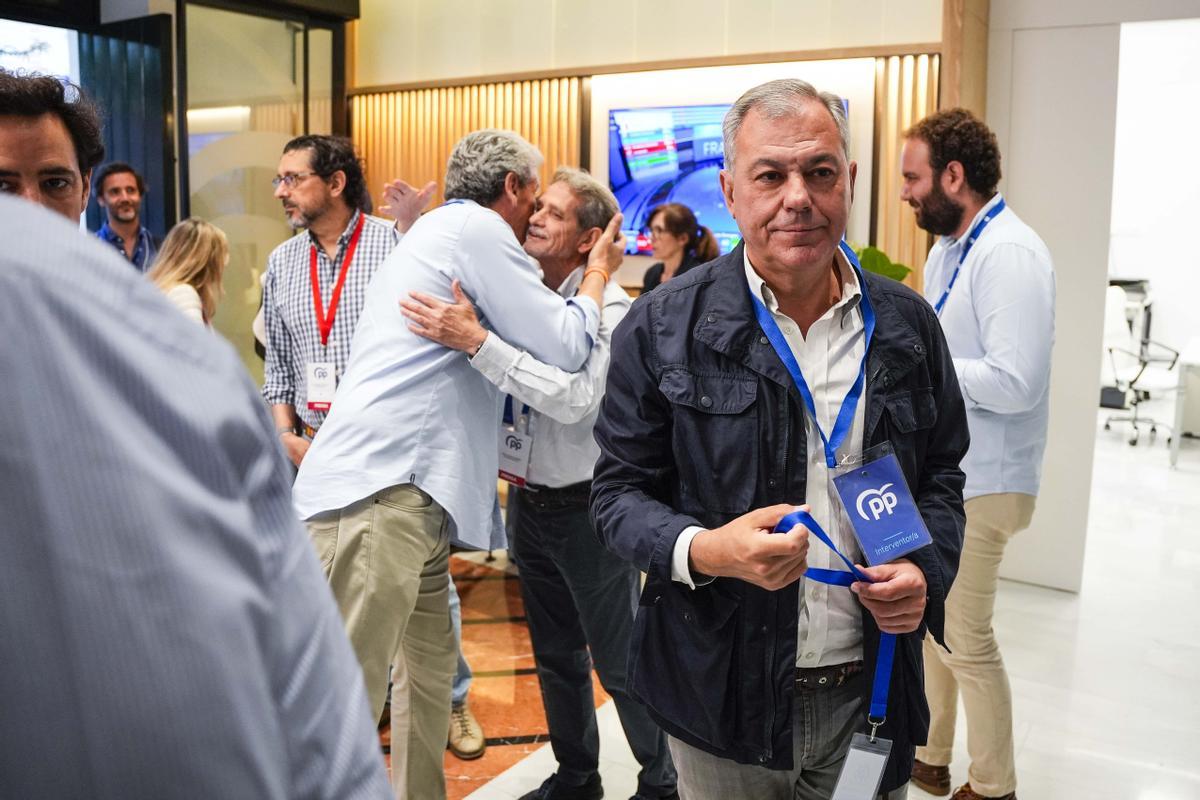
845 417
836 577
509 417
971 237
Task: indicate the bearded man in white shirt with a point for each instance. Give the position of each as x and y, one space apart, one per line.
991 281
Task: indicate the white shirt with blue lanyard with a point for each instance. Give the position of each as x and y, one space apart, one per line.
994 293
830 356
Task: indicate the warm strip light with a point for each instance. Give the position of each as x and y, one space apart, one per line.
223 119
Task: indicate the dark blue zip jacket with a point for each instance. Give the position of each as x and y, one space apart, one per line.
701 423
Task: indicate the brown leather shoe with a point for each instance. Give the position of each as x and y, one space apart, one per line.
965 792
935 780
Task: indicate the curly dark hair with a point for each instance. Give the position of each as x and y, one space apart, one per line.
956 134
331 154
32 95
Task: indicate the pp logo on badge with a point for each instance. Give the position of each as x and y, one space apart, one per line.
512 443
878 501
320 373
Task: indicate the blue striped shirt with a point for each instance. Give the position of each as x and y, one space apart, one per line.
167 631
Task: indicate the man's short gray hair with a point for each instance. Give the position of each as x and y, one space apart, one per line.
481 160
779 98
596 204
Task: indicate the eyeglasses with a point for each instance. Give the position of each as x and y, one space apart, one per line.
658 230
291 179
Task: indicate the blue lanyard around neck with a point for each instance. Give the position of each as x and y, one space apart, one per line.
836 577
845 417
967 245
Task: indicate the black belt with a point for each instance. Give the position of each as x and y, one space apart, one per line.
575 490
815 679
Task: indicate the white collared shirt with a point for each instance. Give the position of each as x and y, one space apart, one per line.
830 629
999 324
564 405
409 410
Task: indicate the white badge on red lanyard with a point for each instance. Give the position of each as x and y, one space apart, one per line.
322 375
515 445
321 384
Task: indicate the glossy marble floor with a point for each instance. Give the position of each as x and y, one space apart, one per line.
1106 683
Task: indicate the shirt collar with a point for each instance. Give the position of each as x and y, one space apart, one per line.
988 206
345 235
851 290
109 235
570 284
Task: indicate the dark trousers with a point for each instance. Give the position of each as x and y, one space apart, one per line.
579 597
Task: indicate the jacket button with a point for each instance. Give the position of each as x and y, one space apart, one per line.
710 318
762 340
706 401
657 597
920 348
772 483
762 759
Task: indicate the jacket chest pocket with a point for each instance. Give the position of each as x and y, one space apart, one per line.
714 437
911 411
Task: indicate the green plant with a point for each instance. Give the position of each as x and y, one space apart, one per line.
872 259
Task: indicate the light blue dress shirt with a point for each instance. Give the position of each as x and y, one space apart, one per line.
564 405
999 323
409 410
166 629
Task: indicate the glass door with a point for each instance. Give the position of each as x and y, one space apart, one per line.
253 83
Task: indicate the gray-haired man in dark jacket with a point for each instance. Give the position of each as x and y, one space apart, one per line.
707 441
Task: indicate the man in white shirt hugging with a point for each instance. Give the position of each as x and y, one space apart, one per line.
579 597
991 282
406 461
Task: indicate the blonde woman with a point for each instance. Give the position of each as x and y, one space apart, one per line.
189 268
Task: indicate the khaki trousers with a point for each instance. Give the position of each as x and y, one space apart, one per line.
387 558
974 667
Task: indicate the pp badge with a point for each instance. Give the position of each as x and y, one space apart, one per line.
514 455
880 507
322 383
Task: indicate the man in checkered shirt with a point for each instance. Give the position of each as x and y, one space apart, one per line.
321 186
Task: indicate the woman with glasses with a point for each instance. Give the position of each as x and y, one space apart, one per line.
679 243
189 268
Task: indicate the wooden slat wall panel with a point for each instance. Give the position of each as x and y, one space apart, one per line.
906 90
409 134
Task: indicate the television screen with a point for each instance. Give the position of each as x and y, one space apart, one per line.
668 155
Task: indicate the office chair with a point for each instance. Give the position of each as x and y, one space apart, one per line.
1125 383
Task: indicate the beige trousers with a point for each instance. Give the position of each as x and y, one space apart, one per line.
387 558
974 667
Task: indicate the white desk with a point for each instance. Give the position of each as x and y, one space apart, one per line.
1189 373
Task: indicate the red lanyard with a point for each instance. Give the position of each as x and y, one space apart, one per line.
324 321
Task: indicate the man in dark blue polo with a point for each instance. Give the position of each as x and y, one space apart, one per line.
735 393
119 191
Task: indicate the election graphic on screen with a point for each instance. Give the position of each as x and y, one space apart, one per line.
668 155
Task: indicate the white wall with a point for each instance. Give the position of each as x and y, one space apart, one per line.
1052 81
402 41
1156 179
